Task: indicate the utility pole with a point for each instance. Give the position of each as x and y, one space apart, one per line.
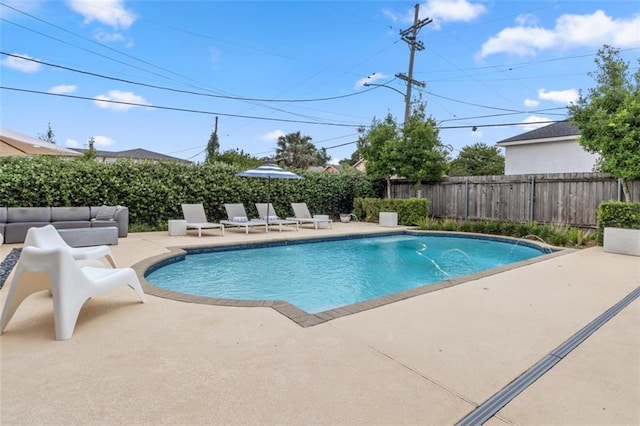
410 36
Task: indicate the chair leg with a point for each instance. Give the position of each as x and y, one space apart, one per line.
134 283
22 286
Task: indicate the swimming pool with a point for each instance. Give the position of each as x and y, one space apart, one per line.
317 276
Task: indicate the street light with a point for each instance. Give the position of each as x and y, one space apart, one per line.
384 85
405 96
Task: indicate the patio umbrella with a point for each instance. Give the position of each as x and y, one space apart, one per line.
269 171
14 143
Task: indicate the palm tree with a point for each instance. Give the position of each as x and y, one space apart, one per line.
296 151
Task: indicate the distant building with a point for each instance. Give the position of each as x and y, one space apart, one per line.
549 149
137 154
360 165
329 168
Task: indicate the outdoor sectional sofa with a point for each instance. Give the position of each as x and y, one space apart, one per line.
78 225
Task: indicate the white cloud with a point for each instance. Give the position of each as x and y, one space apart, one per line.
101 141
441 11
20 64
118 96
531 102
72 143
376 76
62 89
592 31
108 12
107 37
526 19
451 10
272 136
532 122
559 96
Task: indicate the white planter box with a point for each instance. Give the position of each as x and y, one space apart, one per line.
622 241
388 219
177 227
322 217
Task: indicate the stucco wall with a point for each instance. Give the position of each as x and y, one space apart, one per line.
548 157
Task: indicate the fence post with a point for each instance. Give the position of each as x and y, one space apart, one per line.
619 189
466 198
532 197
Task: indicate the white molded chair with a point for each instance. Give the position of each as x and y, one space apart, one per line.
302 215
267 212
197 219
71 285
48 237
237 216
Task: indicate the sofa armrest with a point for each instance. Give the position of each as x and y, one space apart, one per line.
122 217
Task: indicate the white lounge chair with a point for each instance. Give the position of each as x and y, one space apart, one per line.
71 285
237 216
48 237
267 212
302 215
197 219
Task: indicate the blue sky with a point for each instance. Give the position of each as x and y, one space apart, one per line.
268 68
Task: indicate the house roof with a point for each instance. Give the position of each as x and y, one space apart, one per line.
555 131
136 154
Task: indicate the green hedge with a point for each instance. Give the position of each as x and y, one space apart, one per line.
153 191
410 211
616 214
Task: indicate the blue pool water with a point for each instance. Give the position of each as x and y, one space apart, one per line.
317 276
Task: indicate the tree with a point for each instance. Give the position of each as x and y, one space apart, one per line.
477 160
239 158
423 156
414 152
322 158
609 117
49 136
295 150
90 154
213 146
379 145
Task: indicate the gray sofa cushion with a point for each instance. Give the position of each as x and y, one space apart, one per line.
66 214
78 237
16 232
106 213
3 220
29 214
73 224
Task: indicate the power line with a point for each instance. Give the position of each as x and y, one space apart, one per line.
188 92
253 117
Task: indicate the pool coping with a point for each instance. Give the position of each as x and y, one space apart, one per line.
305 319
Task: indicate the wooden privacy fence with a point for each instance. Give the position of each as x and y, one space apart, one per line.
566 198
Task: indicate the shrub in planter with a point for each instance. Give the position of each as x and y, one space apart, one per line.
616 214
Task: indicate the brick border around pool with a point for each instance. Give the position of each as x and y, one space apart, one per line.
297 315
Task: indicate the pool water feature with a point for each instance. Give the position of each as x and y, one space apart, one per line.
317 276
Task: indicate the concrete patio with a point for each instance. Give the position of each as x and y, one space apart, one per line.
430 359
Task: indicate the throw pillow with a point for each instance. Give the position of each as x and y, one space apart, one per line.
106 213
240 219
